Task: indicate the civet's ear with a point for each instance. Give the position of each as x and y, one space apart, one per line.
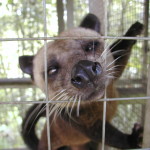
91 22
26 64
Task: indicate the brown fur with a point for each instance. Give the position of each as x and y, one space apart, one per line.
63 134
67 135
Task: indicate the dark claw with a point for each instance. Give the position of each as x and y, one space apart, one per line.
136 138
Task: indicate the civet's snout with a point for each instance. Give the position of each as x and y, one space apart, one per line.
84 73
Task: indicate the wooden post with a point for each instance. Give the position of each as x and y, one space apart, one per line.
70 17
145 43
146 139
97 7
60 14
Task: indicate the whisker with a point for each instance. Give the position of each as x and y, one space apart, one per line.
61 108
104 53
113 61
113 67
61 97
117 42
67 107
74 101
109 43
61 92
53 108
118 51
37 108
106 50
114 53
78 106
54 111
58 104
57 108
111 73
31 115
44 107
111 77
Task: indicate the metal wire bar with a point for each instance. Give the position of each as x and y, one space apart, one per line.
105 96
104 123
16 149
46 79
73 38
28 149
65 101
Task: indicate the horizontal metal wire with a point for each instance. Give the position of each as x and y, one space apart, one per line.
28 149
65 101
16 149
68 38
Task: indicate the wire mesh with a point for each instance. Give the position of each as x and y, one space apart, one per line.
126 105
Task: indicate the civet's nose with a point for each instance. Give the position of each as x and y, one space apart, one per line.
85 72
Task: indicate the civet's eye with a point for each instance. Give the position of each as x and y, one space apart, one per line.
53 68
52 71
91 46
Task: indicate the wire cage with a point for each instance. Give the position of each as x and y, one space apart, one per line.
27 25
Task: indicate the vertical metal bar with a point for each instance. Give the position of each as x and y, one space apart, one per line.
145 50
146 136
105 102
104 123
46 79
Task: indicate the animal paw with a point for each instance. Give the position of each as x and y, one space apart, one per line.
135 29
136 137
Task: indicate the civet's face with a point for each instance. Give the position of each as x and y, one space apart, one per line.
78 66
75 65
